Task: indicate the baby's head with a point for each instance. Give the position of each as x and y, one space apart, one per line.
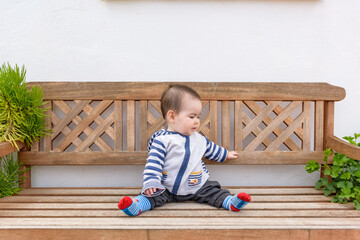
181 107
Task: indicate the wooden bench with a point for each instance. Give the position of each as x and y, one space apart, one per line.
267 123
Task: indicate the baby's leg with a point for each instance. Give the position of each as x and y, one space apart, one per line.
236 202
212 193
134 207
139 204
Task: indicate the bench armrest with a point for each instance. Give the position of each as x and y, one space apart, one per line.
340 146
6 148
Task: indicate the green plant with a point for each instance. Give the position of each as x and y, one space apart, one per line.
22 116
342 178
10 179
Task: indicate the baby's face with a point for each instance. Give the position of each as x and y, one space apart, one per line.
187 121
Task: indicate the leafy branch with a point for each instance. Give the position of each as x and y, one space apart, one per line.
10 176
22 115
342 178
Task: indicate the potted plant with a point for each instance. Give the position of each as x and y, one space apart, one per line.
22 116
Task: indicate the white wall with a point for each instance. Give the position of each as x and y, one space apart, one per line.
200 40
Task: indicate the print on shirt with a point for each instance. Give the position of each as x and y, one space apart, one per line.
195 179
164 177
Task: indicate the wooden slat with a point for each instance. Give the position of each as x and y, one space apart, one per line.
213 121
88 130
118 127
257 130
307 126
179 206
6 148
329 112
288 121
47 139
179 223
208 91
26 184
115 199
95 134
130 132
205 120
225 124
134 191
82 125
267 120
319 126
143 125
69 117
66 130
179 234
260 115
343 147
139 158
286 133
156 124
78 234
246 213
266 132
238 121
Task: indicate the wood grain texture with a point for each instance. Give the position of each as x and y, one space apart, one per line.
118 126
77 212
139 158
225 124
329 115
6 148
343 147
272 126
149 234
207 90
256 109
319 126
238 122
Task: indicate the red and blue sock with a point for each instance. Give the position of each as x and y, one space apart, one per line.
134 207
236 202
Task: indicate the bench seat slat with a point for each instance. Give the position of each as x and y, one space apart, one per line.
177 206
180 223
115 199
134 191
183 213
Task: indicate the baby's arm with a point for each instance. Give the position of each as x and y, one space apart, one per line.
150 191
153 169
232 155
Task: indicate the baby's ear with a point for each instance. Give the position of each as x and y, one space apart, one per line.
170 115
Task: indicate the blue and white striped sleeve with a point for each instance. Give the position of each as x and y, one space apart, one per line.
215 152
153 168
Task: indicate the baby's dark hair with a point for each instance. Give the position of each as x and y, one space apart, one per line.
171 98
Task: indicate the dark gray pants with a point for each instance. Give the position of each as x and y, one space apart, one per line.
211 193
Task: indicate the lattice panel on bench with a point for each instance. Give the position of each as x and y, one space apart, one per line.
275 125
82 125
86 125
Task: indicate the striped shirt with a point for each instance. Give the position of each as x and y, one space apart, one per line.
175 162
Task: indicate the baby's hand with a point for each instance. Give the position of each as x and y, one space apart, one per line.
150 191
232 155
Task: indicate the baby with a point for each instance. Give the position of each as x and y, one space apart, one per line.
174 171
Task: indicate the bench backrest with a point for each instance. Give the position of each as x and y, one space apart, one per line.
109 123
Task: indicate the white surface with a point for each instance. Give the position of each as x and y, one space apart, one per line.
131 176
190 40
